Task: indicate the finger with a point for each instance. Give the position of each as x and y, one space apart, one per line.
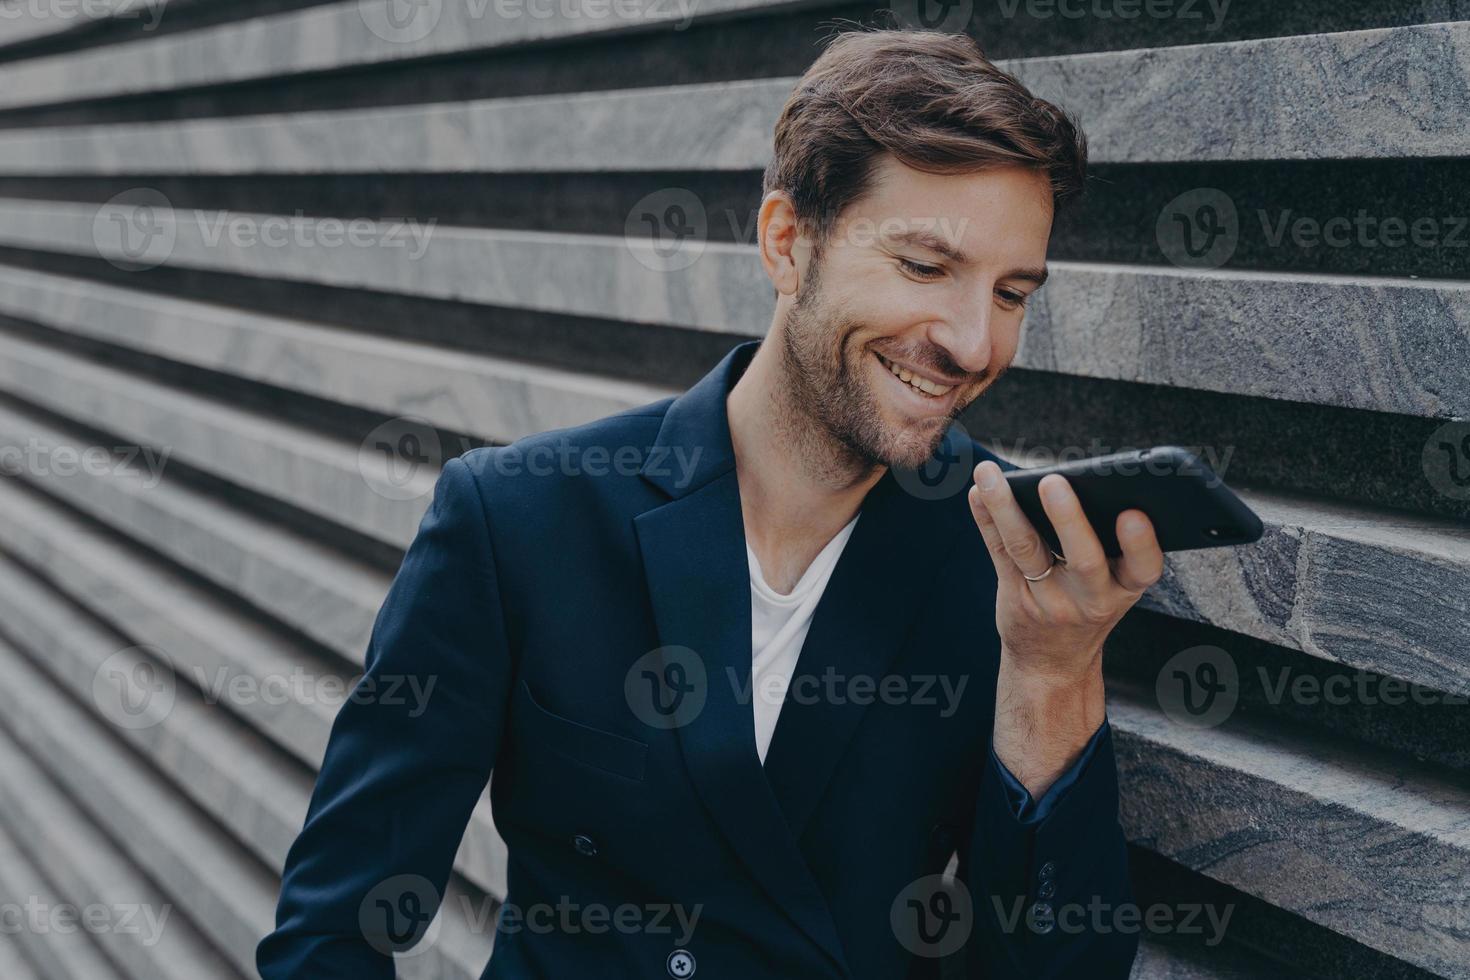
1005 568
1084 552
1142 561
1022 543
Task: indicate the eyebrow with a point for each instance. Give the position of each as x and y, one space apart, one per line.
931 241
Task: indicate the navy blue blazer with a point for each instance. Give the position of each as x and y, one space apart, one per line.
549 581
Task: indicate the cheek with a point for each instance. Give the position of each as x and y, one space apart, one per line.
1006 336
894 307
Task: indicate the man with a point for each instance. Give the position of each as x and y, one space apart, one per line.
772 678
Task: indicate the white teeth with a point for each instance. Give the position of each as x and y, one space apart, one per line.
914 381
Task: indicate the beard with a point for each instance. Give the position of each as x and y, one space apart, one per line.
829 402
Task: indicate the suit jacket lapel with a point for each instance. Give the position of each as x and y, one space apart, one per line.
694 558
858 630
693 551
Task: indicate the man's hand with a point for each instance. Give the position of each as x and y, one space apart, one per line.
1049 697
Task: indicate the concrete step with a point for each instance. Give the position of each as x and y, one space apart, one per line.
1376 590
1365 844
191 856
322 476
328 597
59 939
29 22
84 865
12 965
199 866
327 38
489 397
1158 961
1287 98
211 646
1183 328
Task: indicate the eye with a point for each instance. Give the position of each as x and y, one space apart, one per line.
1011 299
922 271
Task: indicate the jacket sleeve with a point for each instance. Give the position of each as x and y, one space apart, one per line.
410 752
1032 811
1046 891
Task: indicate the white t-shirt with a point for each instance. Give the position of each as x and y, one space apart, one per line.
778 627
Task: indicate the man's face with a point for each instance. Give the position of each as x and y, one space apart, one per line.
946 312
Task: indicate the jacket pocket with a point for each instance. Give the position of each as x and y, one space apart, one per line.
581 743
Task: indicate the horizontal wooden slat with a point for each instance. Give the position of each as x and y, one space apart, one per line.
1297 97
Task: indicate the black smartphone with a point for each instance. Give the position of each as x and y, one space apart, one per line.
1189 505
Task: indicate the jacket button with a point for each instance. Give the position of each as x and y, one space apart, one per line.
681 964
584 845
1047 889
1043 917
1047 871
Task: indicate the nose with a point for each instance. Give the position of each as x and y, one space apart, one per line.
966 335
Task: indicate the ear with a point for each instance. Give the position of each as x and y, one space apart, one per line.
784 252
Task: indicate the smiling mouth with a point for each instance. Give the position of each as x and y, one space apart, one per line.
922 386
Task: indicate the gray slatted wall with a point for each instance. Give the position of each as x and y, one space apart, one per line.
238 241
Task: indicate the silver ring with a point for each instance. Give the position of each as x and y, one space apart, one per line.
1056 560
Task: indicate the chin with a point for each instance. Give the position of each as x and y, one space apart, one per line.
905 443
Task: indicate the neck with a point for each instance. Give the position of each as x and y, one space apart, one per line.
796 480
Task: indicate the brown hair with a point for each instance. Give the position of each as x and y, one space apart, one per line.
933 100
